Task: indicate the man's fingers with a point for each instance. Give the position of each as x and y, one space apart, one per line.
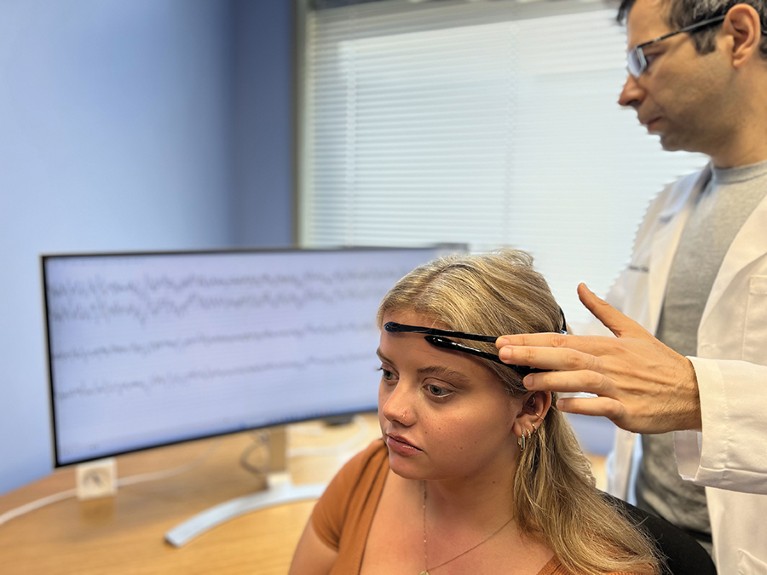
543 355
555 351
596 406
621 325
589 382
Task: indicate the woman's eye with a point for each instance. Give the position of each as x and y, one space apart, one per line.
437 391
386 374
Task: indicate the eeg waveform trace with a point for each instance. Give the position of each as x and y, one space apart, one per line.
155 348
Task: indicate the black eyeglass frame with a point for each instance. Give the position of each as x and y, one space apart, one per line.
439 338
636 62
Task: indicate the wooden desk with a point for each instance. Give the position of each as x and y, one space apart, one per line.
125 533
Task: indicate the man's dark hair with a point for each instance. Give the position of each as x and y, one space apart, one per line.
681 13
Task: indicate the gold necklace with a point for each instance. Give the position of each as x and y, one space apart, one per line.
426 569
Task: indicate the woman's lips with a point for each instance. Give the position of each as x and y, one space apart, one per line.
401 446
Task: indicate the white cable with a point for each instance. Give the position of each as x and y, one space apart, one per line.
131 480
37 504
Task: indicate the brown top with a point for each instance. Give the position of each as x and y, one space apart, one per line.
343 515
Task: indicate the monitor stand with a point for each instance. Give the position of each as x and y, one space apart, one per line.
279 490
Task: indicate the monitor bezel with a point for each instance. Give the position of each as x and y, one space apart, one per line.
337 415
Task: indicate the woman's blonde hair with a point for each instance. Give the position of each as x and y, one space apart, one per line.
554 489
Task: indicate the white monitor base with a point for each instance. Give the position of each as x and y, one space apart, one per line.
280 490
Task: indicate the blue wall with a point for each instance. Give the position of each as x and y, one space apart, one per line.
263 121
129 125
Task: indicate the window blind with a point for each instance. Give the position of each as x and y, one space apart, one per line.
486 123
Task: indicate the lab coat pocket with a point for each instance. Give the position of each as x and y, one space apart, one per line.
755 329
750 565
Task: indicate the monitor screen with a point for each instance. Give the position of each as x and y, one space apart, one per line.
149 349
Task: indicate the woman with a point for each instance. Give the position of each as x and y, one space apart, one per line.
474 474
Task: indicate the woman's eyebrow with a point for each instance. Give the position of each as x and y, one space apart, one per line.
443 372
439 371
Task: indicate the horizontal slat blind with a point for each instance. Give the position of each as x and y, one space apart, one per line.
489 123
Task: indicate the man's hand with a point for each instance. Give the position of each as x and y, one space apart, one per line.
637 382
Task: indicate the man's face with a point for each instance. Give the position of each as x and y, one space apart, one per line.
682 95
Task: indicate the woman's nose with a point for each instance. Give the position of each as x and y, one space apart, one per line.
398 404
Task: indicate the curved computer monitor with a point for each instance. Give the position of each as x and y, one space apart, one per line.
150 349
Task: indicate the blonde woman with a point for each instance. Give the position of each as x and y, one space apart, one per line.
474 474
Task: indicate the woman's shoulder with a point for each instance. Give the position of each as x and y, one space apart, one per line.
373 454
362 468
364 465
356 485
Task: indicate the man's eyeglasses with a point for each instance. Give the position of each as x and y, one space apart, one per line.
636 62
439 338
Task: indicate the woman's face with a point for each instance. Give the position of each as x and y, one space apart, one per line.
443 414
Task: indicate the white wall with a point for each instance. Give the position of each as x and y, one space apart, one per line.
116 133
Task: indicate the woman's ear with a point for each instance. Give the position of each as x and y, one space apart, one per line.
532 414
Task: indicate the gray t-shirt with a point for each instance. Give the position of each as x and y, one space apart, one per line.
723 206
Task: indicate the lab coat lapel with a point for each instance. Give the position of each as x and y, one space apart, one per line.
750 243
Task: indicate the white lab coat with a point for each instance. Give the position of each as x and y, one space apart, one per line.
729 457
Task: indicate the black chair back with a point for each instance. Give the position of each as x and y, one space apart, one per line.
684 555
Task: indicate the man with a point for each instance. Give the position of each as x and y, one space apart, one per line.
697 280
